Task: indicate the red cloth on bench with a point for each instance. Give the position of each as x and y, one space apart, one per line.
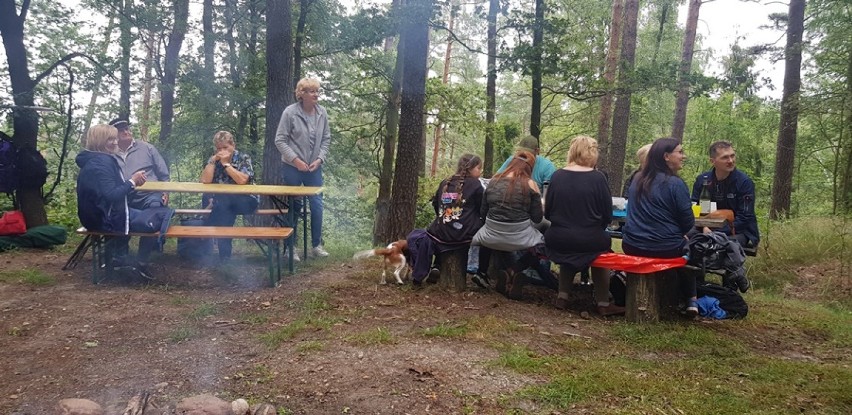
637 264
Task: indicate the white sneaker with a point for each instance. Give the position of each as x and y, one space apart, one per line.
296 257
319 251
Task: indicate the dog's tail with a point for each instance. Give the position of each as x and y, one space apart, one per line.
364 254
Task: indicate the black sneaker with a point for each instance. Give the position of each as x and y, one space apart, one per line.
434 275
743 283
480 280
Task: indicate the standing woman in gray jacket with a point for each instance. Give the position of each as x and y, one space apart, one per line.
303 138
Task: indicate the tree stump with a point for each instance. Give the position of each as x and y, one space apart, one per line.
651 296
453 265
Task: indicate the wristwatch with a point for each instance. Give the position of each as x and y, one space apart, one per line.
226 165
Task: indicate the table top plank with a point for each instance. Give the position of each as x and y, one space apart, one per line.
234 189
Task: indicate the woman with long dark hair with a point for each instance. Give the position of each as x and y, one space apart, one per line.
511 206
659 214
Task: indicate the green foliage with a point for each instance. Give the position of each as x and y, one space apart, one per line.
381 335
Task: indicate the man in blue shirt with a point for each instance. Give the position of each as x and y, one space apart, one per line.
730 189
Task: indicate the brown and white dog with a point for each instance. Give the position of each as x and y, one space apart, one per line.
394 256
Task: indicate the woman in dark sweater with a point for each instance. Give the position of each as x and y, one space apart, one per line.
659 214
512 204
579 207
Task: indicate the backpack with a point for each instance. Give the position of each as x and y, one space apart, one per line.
8 170
716 252
33 168
194 249
729 300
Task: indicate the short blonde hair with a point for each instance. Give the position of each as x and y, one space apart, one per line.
98 135
583 151
223 137
642 154
305 84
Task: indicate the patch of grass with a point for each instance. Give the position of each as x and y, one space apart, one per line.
490 327
313 302
446 329
203 310
381 335
275 338
182 333
253 319
310 346
814 323
179 300
27 276
676 338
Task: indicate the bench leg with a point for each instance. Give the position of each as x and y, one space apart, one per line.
78 254
643 298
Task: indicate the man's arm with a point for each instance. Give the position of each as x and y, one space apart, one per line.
744 212
696 187
161 169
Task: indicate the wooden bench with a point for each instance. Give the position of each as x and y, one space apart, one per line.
651 284
268 239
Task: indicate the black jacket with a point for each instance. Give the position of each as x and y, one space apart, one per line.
102 193
736 193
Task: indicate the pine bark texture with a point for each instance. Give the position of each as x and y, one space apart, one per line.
682 99
490 90
279 94
785 152
538 36
621 115
170 69
414 35
610 70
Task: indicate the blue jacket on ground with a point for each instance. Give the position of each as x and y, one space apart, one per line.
102 193
659 220
736 193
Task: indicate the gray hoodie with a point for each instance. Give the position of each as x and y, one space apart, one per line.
293 138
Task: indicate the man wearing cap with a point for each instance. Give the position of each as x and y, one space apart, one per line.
136 156
543 168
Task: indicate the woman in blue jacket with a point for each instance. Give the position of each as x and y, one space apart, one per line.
659 214
101 187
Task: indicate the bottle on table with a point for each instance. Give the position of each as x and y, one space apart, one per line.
704 198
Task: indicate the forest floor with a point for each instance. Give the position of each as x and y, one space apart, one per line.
330 340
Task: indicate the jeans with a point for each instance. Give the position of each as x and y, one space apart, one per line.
293 177
224 213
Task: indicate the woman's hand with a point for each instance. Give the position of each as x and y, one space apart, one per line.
223 156
315 165
139 178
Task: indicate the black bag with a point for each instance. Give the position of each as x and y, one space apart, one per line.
32 169
194 249
729 300
618 288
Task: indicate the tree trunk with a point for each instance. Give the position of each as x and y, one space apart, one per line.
304 6
610 69
538 36
785 153
148 83
664 16
491 90
279 63
439 125
208 37
234 69
96 87
846 144
24 120
170 69
381 234
621 115
685 66
126 43
414 35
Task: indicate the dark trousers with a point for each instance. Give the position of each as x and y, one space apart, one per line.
687 278
224 213
293 177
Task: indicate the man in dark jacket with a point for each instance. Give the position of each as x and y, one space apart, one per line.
730 189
